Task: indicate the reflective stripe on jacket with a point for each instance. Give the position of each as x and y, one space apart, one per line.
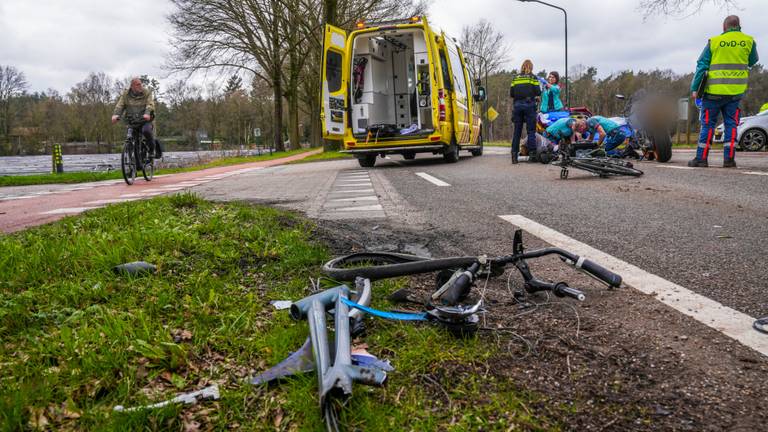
729 69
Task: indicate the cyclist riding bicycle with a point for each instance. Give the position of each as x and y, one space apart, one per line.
136 107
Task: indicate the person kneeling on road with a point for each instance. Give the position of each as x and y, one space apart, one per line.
610 135
565 129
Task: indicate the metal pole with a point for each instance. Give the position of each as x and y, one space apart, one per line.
567 86
484 66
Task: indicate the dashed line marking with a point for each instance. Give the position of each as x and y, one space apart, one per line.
730 322
375 207
349 191
434 180
110 201
760 173
131 195
674 167
68 210
362 198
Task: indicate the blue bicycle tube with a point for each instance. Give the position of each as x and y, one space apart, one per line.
399 316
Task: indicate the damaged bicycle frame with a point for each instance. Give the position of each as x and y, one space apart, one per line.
444 308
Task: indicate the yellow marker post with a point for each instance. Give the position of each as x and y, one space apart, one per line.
58 162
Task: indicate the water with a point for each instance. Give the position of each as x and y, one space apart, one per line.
21 165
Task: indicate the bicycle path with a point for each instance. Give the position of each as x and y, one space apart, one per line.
40 207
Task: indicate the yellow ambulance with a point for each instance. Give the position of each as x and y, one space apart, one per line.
398 87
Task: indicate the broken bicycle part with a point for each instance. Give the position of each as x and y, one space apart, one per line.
136 268
302 360
208 393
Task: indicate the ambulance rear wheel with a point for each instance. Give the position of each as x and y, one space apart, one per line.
367 161
409 156
451 154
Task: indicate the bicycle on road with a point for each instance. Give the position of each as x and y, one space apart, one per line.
593 161
137 154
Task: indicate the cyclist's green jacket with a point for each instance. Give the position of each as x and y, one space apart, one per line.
134 105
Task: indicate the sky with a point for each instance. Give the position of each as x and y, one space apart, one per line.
56 43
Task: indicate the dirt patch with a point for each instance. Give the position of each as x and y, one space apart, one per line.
618 361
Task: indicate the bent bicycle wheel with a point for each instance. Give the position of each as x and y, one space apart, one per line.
606 167
128 163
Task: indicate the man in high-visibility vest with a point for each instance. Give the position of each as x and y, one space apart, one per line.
725 64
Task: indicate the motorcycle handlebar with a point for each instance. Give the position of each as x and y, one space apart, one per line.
461 286
563 290
598 271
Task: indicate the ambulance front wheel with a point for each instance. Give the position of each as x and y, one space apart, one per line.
367 161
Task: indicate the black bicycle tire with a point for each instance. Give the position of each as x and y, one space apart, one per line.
128 148
605 167
150 162
390 265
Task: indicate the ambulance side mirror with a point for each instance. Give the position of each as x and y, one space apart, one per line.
480 95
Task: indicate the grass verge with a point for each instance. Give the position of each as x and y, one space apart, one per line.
77 339
82 177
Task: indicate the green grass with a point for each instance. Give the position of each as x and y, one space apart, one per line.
498 143
81 177
324 156
77 339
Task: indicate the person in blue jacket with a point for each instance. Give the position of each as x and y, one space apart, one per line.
550 97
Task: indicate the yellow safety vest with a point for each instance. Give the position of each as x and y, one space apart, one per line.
729 69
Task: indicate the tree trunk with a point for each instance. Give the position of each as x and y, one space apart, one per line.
293 119
331 15
277 130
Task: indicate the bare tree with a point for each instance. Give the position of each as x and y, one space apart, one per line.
92 99
679 7
12 84
231 34
491 52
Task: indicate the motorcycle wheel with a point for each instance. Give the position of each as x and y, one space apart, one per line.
662 144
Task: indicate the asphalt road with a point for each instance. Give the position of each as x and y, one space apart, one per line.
704 229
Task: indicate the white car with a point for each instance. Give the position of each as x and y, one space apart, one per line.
752 133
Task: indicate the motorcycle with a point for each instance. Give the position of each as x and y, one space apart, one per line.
645 122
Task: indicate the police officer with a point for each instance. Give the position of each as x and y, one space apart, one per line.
524 90
725 62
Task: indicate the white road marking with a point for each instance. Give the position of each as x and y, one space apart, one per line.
133 195
110 201
152 190
355 184
760 173
434 180
374 207
174 188
674 167
363 198
149 194
69 210
20 197
349 191
728 321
